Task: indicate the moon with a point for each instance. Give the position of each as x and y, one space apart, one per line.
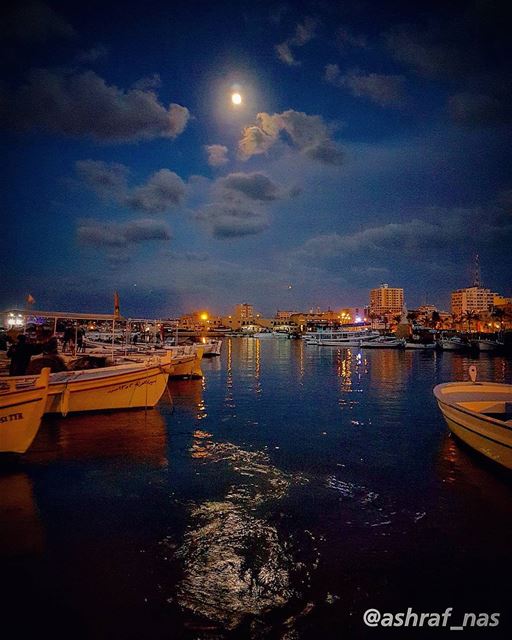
236 98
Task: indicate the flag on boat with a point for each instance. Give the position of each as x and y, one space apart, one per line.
116 305
30 299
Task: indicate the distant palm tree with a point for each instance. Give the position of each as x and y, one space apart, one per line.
435 319
469 316
498 314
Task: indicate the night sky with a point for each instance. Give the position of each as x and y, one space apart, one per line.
372 145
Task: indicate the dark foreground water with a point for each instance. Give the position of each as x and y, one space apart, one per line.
289 491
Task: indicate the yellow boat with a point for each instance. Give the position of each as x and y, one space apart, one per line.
118 387
480 414
22 405
186 362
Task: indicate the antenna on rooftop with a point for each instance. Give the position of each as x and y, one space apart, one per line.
477 278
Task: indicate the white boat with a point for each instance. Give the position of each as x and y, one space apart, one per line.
485 344
262 334
182 361
383 342
480 414
211 348
337 338
422 346
453 343
22 406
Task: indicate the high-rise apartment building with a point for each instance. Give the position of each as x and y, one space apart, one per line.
244 311
386 300
474 299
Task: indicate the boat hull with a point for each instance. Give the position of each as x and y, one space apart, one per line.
186 367
121 389
20 415
486 345
486 435
375 344
334 343
430 346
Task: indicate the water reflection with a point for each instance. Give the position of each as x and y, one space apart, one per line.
21 531
490 367
236 562
188 396
131 436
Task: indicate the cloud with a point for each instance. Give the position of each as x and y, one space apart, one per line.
148 83
255 186
233 220
304 32
92 55
35 22
345 38
217 154
416 240
309 134
163 191
384 90
119 234
107 180
83 105
469 50
428 52
480 109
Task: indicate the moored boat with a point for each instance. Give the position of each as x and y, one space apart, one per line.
480 414
123 386
383 342
486 344
22 406
337 338
211 348
422 346
452 343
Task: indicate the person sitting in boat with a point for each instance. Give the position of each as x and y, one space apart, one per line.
50 358
20 354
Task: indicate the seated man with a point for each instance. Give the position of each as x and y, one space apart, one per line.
50 358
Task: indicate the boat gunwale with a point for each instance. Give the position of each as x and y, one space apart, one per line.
22 402
53 392
477 433
475 414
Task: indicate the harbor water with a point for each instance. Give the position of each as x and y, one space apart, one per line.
282 496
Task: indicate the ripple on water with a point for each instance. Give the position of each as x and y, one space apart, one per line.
236 563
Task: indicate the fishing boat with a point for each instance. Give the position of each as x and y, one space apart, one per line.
480 414
210 347
186 361
422 346
22 405
452 343
383 342
127 385
486 344
182 361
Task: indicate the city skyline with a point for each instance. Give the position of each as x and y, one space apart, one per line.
369 144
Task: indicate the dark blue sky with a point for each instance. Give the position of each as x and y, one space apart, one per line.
372 145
